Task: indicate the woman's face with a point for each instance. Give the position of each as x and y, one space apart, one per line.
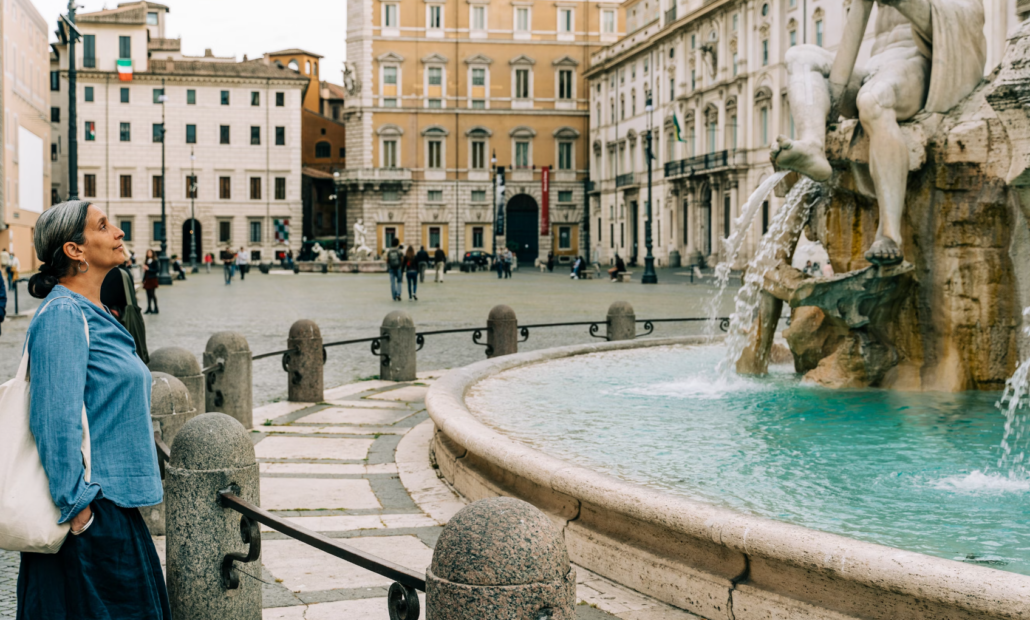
150 254
103 246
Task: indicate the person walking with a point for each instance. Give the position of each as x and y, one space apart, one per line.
150 271
506 263
5 262
13 270
439 263
242 263
411 270
395 263
208 259
82 365
228 264
550 262
423 263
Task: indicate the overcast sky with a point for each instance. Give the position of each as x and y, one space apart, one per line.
235 28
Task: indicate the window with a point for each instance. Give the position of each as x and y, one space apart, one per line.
191 134
223 134
765 9
608 21
389 15
255 98
225 188
91 131
735 62
478 155
434 103
255 231
255 188
645 65
280 188
53 151
126 226
89 94
157 186
565 195
323 150
191 97
159 230
255 135
157 132
125 132
343 152
734 22
225 97
565 84
477 236
479 195
390 75
435 17
712 126
55 80
280 100
124 95
693 41
819 33
435 154
479 18
564 20
564 156
89 51
479 77
733 132
125 186
89 185
391 195
793 38
564 237
158 93
55 115
151 18
224 231
763 123
478 104
522 154
765 52
522 83
435 76
389 153
191 186
435 195
124 47
280 136
522 19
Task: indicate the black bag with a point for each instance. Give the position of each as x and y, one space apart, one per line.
133 320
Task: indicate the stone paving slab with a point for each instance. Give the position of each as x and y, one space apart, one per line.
313 448
326 468
315 493
408 394
347 415
356 388
304 568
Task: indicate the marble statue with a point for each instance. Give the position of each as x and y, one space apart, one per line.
927 56
359 248
320 254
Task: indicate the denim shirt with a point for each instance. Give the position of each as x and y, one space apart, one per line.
106 375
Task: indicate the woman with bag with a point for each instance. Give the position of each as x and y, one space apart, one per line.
151 267
88 387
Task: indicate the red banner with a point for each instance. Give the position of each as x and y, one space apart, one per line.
545 201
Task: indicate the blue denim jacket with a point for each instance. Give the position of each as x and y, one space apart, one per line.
115 386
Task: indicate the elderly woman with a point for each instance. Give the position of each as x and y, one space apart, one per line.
108 567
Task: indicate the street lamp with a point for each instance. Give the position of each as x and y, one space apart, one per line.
193 217
73 142
336 220
164 278
493 227
650 277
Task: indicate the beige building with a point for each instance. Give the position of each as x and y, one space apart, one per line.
437 87
232 145
26 128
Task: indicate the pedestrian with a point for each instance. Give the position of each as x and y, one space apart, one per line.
208 259
13 270
423 263
439 263
3 301
180 273
228 264
506 263
118 294
83 370
289 259
411 270
242 263
620 267
550 261
577 265
151 267
595 261
5 262
395 263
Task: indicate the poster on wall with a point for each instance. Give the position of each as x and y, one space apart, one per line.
545 201
30 171
499 201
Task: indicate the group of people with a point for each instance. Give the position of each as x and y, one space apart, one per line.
505 261
402 262
233 261
814 269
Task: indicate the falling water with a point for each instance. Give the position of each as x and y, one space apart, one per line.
1014 403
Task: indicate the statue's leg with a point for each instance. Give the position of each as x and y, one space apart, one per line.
808 93
894 93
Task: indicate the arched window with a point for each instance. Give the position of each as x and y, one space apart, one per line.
323 150
293 65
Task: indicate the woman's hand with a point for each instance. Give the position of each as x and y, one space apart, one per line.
80 520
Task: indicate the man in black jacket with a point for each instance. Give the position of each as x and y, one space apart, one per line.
440 262
423 260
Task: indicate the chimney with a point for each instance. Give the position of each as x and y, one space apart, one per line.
244 58
208 54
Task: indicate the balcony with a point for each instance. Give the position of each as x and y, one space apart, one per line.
670 15
591 187
359 179
624 180
693 165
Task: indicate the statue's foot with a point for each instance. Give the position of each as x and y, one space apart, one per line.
802 156
883 252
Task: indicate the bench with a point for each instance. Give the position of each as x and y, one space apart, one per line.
586 275
626 276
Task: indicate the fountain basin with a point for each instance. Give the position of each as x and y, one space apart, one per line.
711 560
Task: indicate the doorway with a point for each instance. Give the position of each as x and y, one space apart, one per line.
706 222
187 227
634 217
524 228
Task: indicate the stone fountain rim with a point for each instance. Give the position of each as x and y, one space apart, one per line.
974 588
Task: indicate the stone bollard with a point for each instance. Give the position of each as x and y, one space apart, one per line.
171 406
502 336
305 364
500 558
212 452
231 389
622 321
397 354
184 366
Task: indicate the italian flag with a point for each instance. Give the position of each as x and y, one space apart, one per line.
125 70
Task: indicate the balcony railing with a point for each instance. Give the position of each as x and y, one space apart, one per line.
625 179
693 165
670 15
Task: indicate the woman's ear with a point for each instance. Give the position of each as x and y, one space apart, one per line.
73 251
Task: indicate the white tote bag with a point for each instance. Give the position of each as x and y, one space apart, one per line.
28 516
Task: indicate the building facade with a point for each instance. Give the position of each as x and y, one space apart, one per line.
716 69
436 88
26 134
232 137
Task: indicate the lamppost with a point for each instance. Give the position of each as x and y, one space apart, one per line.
650 277
193 216
73 142
336 219
493 228
164 278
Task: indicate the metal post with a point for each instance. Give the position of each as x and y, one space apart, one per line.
493 227
164 278
73 142
650 277
336 220
193 216
14 287
502 332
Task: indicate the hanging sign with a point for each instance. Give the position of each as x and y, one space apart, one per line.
545 201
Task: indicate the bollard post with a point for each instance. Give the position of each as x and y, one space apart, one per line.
212 452
184 366
305 363
397 348
622 321
502 336
230 389
171 406
500 558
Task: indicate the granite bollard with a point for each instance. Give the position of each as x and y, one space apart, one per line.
502 336
182 365
171 407
500 558
398 346
305 363
212 452
622 321
230 388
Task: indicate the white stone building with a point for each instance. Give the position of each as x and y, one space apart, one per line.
234 126
717 67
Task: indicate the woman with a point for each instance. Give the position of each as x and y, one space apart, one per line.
410 264
151 267
208 259
107 566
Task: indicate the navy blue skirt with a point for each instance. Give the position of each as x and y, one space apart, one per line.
109 572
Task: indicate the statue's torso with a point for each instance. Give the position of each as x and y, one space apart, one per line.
893 33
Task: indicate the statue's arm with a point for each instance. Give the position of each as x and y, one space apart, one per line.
916 11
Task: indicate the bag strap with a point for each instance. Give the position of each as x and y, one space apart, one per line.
125 285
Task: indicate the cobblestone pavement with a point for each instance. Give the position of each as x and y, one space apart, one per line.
352 306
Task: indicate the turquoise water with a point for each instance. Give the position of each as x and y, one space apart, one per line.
915 471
